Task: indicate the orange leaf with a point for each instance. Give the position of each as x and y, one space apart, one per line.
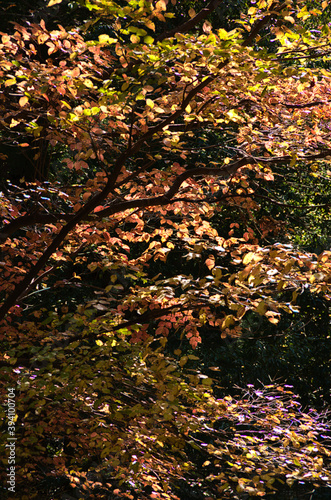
210 262
23 100
53 2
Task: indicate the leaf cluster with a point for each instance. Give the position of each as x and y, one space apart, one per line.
170 183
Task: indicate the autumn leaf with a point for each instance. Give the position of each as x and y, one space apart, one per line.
23 101
164 194
51 3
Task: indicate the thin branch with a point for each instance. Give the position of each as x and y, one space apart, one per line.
131 129
153 314
29 219
304 105
147 317
20 288
100 196
217 199
191 23
134 174
161 200
287 205
95 150
274 9
306 49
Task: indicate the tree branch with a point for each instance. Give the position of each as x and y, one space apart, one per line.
304 105
100 196
188 25
261 23
161 200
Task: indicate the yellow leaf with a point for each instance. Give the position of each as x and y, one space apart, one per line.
13 123
150 24
183 360
106 39
248 257
223 35
162 4
261 308
228 321
319 464
324 257
53 2
63 102
217 272
88 83
149 40
150 103
281 285
10 82
240 312
288 266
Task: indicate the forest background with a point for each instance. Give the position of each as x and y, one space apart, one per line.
165 249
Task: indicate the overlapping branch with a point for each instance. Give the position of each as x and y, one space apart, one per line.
99 197
191 23
121 205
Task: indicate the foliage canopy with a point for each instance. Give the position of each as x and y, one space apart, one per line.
150 195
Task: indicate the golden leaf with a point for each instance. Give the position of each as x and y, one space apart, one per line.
53 2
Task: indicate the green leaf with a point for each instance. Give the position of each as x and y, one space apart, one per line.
223 35
149 40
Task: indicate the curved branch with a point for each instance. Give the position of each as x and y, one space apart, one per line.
21 287
36 218
147 317
304 105
188 25
261 23
28 220
100 197
161 200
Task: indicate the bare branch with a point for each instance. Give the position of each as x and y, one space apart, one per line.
304 105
